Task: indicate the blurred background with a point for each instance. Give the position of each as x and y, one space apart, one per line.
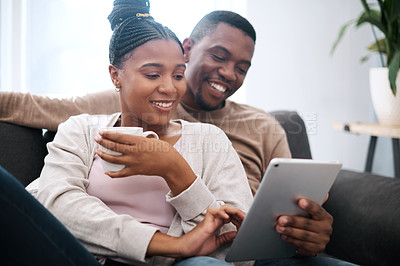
59 48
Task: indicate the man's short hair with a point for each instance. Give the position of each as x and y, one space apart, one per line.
210 21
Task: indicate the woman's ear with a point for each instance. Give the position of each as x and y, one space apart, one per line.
114 74
187 47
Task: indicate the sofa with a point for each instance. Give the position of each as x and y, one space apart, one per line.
365 206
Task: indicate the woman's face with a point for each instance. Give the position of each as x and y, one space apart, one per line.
152 83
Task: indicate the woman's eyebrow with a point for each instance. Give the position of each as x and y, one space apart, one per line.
151 65
160 65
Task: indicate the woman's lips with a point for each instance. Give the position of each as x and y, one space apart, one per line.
164 106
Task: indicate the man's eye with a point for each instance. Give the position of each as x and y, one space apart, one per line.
218 58
242 70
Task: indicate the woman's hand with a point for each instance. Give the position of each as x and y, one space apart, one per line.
146 156
203 239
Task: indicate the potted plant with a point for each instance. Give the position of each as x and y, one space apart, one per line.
385 16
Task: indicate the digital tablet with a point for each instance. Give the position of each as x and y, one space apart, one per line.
284 182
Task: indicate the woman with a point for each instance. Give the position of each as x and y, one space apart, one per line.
171 200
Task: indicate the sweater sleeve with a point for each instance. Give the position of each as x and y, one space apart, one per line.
43 112
62 190
221 178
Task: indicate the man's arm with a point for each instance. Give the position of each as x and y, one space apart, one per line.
36 111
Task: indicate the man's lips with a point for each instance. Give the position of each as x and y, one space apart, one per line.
218 87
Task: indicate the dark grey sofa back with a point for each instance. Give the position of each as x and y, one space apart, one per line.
296 133
22 151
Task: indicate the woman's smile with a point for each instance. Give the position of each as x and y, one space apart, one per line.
163 106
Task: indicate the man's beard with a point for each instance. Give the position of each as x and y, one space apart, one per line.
199 101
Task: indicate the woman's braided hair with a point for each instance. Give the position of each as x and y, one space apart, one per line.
133 26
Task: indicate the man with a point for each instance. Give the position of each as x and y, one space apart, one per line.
218 55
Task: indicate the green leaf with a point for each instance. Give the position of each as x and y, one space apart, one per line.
374 46
365 5
374 18
342 30
393 70
365 58
393 8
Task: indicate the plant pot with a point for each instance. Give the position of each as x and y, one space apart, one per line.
386 105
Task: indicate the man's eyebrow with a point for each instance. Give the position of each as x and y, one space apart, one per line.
160 65
229 53
222 48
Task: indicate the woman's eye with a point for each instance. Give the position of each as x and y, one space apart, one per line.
152 76
179 77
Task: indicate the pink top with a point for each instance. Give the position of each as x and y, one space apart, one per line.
140 196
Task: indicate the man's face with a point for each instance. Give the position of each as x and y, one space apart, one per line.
216 66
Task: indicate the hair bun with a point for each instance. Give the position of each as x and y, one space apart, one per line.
124 9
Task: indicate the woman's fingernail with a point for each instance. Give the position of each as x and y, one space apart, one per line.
97 138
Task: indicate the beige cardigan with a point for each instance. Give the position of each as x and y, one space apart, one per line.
62 188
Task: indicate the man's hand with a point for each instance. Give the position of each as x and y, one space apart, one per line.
309 235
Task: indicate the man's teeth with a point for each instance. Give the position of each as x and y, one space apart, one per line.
218 87
165 105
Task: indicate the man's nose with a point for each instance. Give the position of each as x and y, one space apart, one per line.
228 72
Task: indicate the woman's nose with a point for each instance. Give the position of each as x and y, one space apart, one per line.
167 86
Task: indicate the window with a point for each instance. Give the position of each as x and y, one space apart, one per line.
60 47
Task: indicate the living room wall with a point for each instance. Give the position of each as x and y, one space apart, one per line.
292 69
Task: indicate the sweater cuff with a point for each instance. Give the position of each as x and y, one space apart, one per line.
132 234
197 196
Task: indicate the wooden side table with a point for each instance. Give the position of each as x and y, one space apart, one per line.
375 130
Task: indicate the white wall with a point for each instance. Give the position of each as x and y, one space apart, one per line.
292 69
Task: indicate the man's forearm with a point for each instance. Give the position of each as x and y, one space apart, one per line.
43 112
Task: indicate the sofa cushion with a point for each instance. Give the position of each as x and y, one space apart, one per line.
22 151
366 211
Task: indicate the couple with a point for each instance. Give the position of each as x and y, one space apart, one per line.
200 193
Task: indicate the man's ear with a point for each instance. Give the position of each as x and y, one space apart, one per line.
114 72
187 47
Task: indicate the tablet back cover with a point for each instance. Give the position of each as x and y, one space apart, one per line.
284 182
